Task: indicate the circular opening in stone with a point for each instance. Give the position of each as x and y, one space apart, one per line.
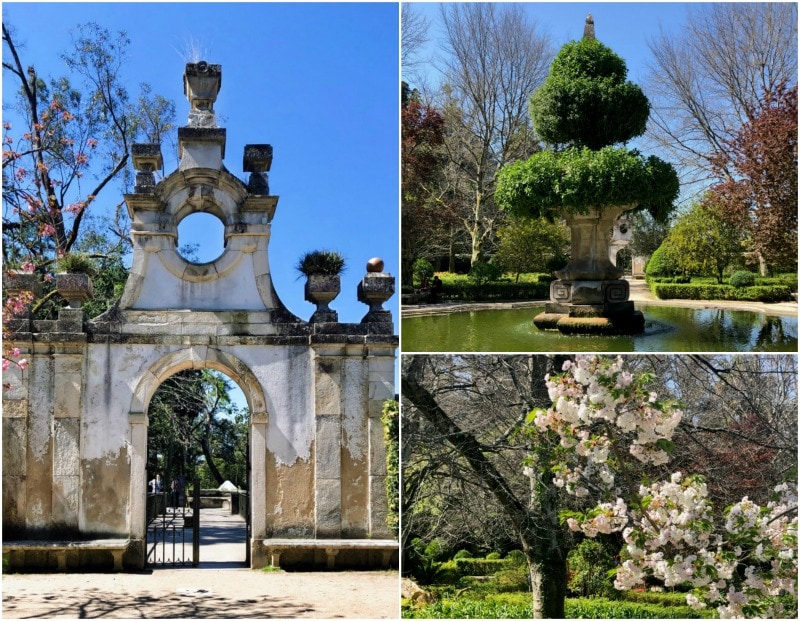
201 238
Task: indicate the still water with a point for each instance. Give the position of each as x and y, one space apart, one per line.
667 329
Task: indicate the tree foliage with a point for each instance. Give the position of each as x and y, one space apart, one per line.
532 245
495 58
587 105
391 435
465 436
424 216
761 194
612 423
710 78
586 100
73 146
197 429
550 182
647 233
703 242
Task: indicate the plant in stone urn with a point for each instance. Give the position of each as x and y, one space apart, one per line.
322 269
73 280
584 107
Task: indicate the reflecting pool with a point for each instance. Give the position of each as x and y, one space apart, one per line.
667 329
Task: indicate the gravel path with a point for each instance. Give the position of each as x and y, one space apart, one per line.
203 593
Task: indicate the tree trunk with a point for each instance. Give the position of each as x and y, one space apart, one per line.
451 258
205 445
548 585
536 525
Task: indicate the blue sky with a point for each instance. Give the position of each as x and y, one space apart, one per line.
317 81
625 27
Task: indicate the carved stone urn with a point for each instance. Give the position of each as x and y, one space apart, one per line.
322 289
74 287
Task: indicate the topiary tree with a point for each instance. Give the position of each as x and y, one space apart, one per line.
584 108
661 263
586 100
423 272
742 278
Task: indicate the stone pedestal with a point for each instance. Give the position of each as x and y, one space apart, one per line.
589 297
75 288
374 289
322 289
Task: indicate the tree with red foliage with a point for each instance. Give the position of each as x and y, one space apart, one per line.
422 158
761 192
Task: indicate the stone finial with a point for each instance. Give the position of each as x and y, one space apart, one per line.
375 265
146 159
588 29
373 290
257 161
201 83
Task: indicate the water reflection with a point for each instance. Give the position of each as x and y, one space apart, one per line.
667 329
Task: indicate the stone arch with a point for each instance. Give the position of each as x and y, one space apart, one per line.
200 357
195 357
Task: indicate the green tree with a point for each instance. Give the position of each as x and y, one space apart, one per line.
586 100
193 421
662 262
584 107
704 242
532 245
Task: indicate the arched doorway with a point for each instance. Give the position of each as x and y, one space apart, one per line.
145 462
624 260
198 471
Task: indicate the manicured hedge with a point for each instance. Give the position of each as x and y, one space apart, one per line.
481 566
468 292
665 598
773 293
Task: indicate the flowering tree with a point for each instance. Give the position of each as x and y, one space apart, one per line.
610 424
70 145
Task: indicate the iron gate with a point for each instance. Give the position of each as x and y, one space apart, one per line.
173 527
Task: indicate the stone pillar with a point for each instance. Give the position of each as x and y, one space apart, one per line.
68 377
355 444
39 448
328 443
258 488
381 389
15 463
138 455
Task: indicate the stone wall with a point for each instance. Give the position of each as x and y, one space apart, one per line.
75 425
75 421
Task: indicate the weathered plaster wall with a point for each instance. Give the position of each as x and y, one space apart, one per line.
235 291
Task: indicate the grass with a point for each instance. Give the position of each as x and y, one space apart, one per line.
518 606
269 569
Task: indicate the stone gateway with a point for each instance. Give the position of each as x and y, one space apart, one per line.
75 422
